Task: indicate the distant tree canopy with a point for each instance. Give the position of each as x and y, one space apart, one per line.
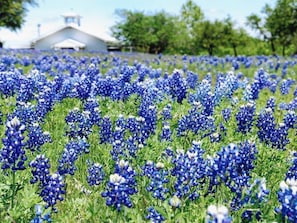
13 12
191 33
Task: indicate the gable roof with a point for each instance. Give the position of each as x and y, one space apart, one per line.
63 28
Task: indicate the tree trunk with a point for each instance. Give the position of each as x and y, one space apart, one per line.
273 50
234 50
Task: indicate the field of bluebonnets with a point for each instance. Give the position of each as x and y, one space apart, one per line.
147 138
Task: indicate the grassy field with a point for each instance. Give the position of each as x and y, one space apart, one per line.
121 137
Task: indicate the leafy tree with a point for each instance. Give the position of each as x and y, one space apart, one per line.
148 33
210 35
13 12
232 36
133 29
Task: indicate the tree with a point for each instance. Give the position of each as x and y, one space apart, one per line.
147 33
233 37
13 12
279 24
210 35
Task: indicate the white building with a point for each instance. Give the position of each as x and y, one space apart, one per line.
71 36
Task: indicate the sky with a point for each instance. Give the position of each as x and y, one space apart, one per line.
98 16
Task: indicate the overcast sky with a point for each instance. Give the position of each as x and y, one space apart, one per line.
99 15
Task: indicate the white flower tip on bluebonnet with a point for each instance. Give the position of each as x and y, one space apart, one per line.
75 109
38 209
212 210
166 126
197 104
283 186
294 190
191 155
46 133
140 119
123 163
97 165
268 110
232 146
180 151
140 146
174 201
151 107
117 128
281 124
160 165
116 179
13 122
86 113
149 162
55 176
117 142
196 143
223 210
291 182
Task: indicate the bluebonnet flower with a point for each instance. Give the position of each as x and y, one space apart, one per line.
70 154
166 112
196 121
232 166
154 215
189 170
285 86
226 113
105 130
118 150
26 90
119 133
191 79
245 117
12 154
45 102
261 77
78 124
121 186
39 217
92 106
225 87
290 119
53 191
215 137
9 82
166 132
287 196
292 172
158 178
95 173
36 137
40 169
279 137
266 125
178 86
25 113
253 198
271 103
202 90
208 104
217 214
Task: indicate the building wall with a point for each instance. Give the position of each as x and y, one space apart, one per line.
92 43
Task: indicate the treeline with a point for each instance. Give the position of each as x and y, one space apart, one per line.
191 33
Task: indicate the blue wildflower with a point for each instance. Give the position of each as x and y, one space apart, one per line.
13 155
